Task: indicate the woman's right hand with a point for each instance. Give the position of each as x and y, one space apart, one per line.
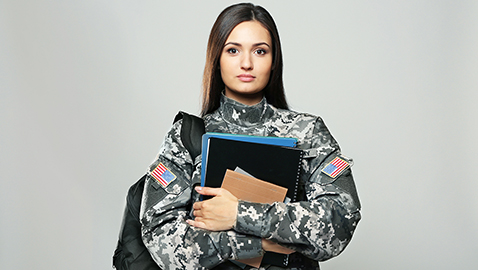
268 245
216 214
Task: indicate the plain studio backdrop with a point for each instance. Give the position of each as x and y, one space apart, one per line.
89 88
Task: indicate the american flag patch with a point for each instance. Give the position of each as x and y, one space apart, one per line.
163 175
335 167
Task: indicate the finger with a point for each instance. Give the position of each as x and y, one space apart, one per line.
208 191
197 224
197 213
197 205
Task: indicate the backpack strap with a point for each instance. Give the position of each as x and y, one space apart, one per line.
192 130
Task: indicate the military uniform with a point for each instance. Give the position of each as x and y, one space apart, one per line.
317 228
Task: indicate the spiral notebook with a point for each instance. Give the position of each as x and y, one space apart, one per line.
275 164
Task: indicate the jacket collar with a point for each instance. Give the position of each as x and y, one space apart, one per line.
237 113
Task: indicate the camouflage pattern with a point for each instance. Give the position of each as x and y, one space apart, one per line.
317 228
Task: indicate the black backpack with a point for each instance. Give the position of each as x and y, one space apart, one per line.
131 253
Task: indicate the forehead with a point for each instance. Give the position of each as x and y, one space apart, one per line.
249 32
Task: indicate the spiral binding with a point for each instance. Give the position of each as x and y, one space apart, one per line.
296 188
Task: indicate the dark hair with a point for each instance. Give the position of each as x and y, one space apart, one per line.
225 23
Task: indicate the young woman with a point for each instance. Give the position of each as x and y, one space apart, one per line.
244 94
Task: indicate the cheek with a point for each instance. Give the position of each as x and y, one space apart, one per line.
266 72
224 72
225 67
266 67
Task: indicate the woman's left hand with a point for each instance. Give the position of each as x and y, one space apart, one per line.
216 214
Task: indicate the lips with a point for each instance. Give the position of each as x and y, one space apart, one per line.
246 77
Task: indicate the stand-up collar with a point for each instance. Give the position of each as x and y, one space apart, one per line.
244 115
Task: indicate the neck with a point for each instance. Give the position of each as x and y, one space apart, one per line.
246 99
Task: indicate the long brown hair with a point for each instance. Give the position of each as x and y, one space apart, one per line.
225 23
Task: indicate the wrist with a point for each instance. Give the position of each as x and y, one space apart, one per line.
247 224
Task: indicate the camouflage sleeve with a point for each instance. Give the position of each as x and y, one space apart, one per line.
165 207
320 227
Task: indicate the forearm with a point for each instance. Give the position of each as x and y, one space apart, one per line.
319 229
176 245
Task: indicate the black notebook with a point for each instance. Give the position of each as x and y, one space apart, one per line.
279 165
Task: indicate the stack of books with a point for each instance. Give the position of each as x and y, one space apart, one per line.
253 168
271 159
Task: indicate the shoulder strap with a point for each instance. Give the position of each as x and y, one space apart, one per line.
192 130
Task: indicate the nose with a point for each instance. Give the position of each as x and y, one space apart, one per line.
246 62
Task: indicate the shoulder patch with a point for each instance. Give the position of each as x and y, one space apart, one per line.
163 175
335 167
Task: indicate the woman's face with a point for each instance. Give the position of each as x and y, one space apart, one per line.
246 62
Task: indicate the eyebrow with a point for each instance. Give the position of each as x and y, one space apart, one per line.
253 45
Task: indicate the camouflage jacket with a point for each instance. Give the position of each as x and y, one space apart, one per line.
318 228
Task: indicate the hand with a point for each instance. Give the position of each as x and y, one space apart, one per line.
268 245
216 214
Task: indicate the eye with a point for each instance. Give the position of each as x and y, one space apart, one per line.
232 50
261 51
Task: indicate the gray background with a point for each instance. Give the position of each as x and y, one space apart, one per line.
89 88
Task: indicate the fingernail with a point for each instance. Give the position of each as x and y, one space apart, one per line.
198 188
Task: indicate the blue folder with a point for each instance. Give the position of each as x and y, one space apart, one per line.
280 141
